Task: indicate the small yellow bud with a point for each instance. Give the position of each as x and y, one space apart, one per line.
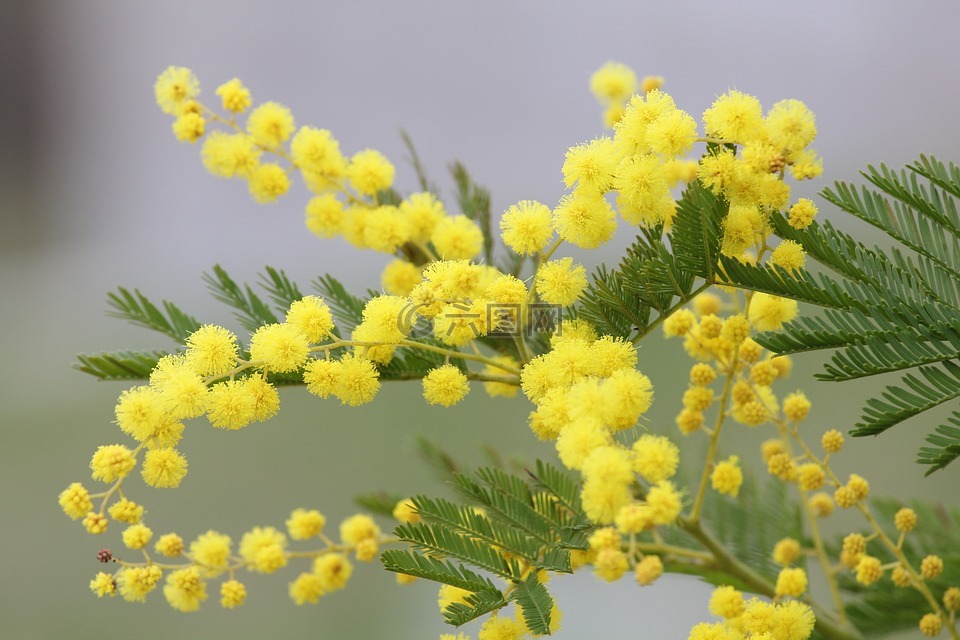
930 624
905 519
786 551
648 570
931 566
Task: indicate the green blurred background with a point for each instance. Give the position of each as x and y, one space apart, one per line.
95 193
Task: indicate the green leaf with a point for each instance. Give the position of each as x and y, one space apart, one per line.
946 445
137 309
280 289
435 569
474 201
250 310
119 365
435 539
535 604
478 604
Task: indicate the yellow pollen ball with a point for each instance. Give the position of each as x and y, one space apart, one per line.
445 386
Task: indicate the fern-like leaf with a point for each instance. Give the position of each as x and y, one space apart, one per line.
535 604
249 309
119 365
137 309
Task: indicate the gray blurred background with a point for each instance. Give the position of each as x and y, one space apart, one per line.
95 192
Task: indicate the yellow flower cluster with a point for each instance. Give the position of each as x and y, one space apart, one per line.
756 619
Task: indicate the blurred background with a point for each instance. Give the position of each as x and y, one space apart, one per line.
95 192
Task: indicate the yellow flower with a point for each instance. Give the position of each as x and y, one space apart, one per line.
270 124
422 211
648 570
358 381
124 510
268 182
111 462
786 551
175 86
163 468
280 347
369 172
802 213
791 582
585 220
333 570
229 155
75 501
613 82
457 238
211 350
445 385
399 277
304 524
526 227
232 594
189 127
325 216
262 548
234 95
137 536
134 583
306 588
317 153
358 527
727 477
185 590
211 550
230 405
590 166
655 458
103 584
169 545
734 117
726 602
561 281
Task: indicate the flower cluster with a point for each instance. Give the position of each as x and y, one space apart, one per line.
513 330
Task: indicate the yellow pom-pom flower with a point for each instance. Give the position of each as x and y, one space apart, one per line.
316 152
211 550
832 441
175 86
234 96
134 583
672 134
125 510
768 312
905 519
137 536
103 584
111 462
788 255
445 386
231 405
791 582
169 545
786 551
591 165
211 350
304 524
232 594
561 281
163 468
422 211
613 82
790 126
75 501
457 238
280 347
802 213
322 377
727 477
358 381
648 570
655 458
399 277
189 127
268 182
734 117
262 548
228 155
325 216
726 602
526 227
585 220
369 172
270 124
312 316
